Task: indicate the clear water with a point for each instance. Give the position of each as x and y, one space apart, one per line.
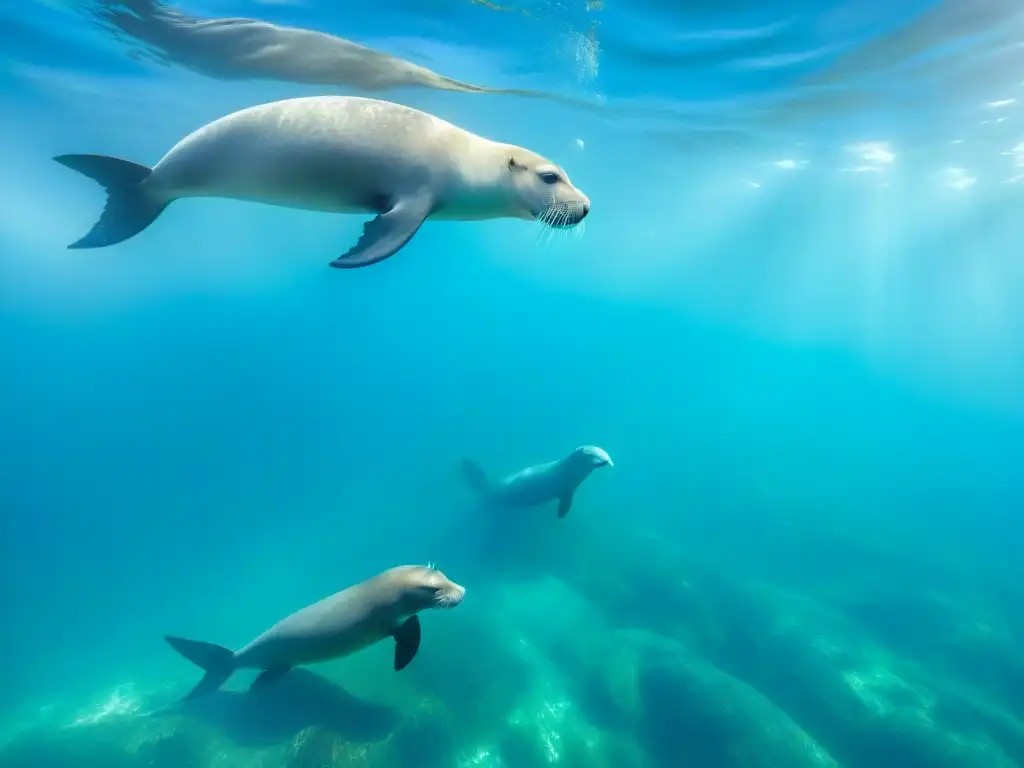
791 318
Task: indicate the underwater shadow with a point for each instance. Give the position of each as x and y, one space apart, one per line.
277 713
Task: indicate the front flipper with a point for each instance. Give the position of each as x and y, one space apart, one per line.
407 642
565 504
268 676
385 235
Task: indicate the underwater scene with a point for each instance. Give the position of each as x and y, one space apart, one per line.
512 384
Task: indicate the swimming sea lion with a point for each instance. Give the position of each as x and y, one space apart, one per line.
542 483
341 154
348 621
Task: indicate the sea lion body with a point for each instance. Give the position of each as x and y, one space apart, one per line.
320 163
340 625
337 154
541 483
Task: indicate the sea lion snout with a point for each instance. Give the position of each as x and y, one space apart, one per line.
446 593
596 457
450 596
430 588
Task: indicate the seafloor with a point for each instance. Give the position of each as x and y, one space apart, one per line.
606 648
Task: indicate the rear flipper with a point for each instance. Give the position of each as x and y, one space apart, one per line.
129 209
216 661
475 477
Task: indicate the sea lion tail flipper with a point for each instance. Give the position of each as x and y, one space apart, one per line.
216 661
407 642
475 477
386 234
565 504
129 209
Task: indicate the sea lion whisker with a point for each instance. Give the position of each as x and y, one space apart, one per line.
540 234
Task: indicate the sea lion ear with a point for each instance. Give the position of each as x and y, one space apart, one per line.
514 166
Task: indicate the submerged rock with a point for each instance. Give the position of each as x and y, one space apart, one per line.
693 712
962 635
866 704
115 742
471 665
317 747
550 722
35 749
302 721
609 650
835 676
550 729
428 738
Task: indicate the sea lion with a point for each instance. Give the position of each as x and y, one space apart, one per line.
341 154
348 621
539 484
240 49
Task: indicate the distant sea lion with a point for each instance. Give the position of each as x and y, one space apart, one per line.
539 484
348 621
341 154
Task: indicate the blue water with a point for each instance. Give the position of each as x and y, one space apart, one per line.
792 320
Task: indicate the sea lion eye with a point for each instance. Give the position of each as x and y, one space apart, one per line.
549 177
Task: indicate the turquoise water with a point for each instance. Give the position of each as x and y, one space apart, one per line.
791 318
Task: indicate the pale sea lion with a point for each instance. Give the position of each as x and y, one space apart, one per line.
541 483
348 621
340 154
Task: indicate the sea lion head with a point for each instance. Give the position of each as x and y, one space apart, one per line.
424 586
592 457
541 191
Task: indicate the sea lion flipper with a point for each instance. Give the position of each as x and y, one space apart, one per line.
384 235
407 642
565 504
216 661
268 676
129 209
